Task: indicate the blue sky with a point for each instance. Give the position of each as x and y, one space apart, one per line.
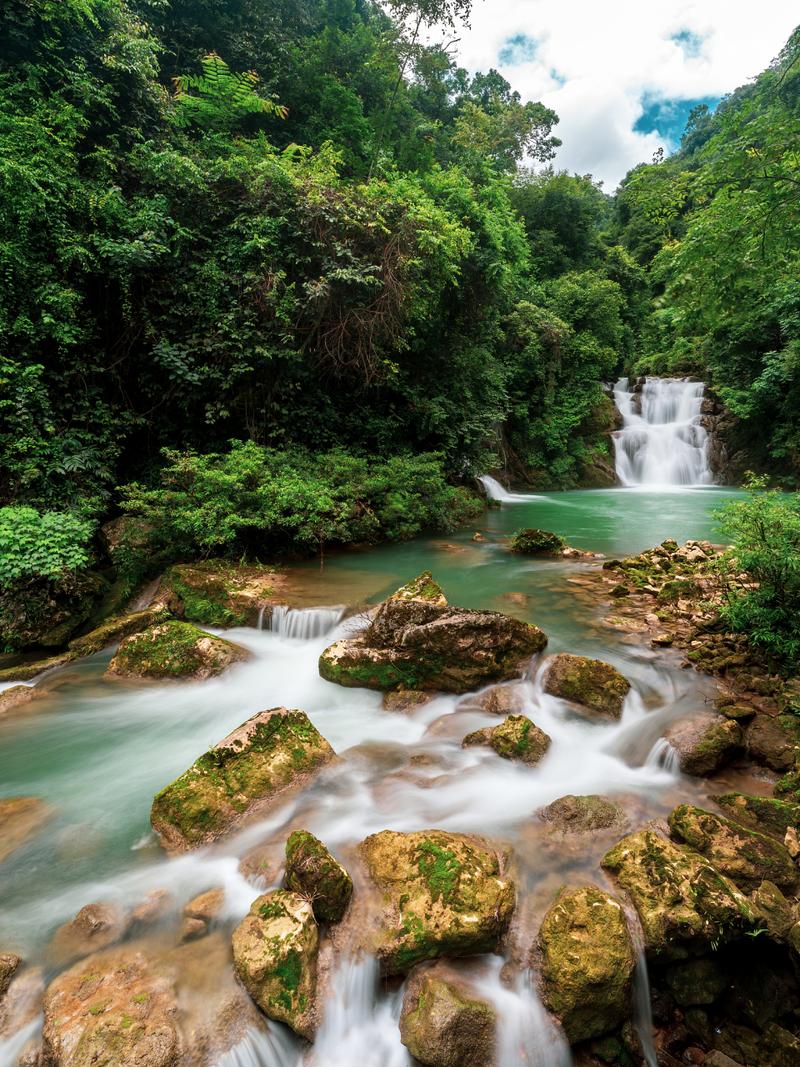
624 75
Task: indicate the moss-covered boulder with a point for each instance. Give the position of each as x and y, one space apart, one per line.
517 738
442 894
583 814
242 776
20 818
593 685
588 962
443 1023
770 815
315 874
695 983
746 857
216 592
118 628
174 649
275 949
416 641
705 743
774 741
685 906
532 542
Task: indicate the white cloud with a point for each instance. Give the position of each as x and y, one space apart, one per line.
609 55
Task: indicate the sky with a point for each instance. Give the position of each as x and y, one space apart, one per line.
623 75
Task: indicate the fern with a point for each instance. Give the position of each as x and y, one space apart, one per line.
219 98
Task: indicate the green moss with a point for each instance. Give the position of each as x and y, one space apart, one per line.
440 869
290 973
536 542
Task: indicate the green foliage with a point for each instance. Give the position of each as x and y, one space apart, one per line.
763 569
219 99
41 544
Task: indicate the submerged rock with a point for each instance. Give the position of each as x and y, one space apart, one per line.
706 743
537 543
443 894
590 683
443 1023
583 814
746 857
244 774
201 912
9 965
174 650
20 819
518 738
588 962
96 926
767 814
313 872
416 641
684 904
506 699
275 949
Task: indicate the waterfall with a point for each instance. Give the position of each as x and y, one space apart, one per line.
264 1047
496 491
662 441
303 624
665 756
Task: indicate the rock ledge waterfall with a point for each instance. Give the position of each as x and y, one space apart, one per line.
662 440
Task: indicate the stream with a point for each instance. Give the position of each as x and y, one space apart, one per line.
96 750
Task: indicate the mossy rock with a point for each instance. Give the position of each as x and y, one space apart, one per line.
118 628
275 950
588 961
705 743
217 592
518 738
174 649
242 776
696 983
774 742
532 542
767 814
685 905
313 872
443 894
583 814
746 857
590 683
444 1024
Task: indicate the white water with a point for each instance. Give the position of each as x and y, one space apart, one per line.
303 624
662 442
496 491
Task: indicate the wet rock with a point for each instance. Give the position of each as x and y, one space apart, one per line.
243 775
706 743
200 913
174 649
9 965
590 683
741 713
275 950
17 696
684 904
443 1023
416 641
773 741
744 856
768 814
24 672
96 926
507 699
117 629
405 699
22 1001
443 894
20 819
780 1047
588 962
315 874
217 592
696 982
120 1012
773 911
583 814
537 543
518 738
155 907
719 1059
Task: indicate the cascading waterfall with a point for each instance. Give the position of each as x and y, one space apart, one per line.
662 441
496 491
303 624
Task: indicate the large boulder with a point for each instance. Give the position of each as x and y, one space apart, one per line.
442 894
216 592
588 962
416 641
774 742
684 904
593 685
768 814
746 857
705 743
243 775
174 649
582 814
443 1023
315 874
118 628
517 738
275 950
21 818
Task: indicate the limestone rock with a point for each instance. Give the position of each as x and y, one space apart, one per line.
684 904
583 814
767 814
443 894
744 856
200 913
506 699
315 874
9 965
275 950
174 649
216 592
773 911
773 741
696 982
417 642
590 683
16 696
405 699
537 543
244 774
588 962
96 926
20 819
444 1024
517 738
117 629
705 743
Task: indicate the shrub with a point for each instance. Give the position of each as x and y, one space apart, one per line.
48 544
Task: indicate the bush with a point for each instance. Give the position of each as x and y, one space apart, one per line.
35 544
763 569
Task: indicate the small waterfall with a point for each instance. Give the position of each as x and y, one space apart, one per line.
273 1047
664 756
643 1012
303 624
495 491
526 1035
662 441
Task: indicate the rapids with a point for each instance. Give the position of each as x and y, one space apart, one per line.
97 750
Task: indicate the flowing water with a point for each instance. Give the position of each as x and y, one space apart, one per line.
662 441
97 750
